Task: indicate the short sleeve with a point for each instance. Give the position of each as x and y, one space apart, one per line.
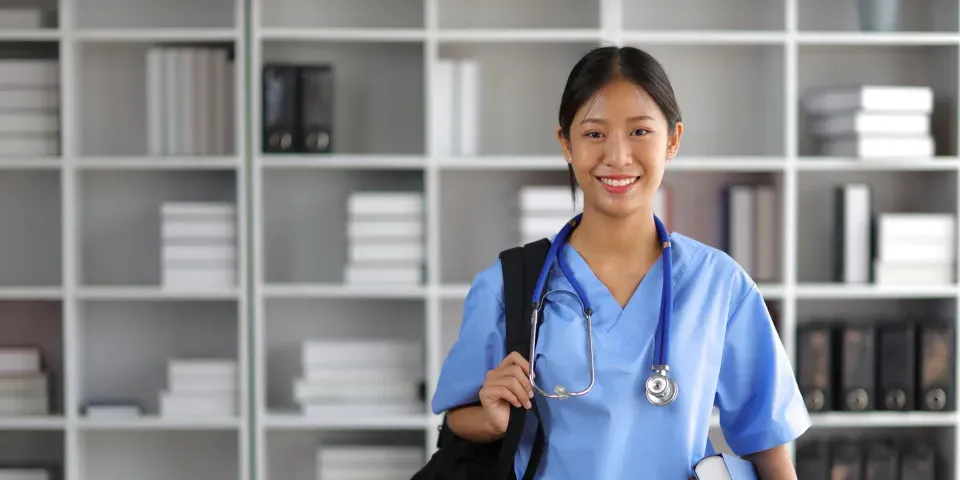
479 347
760 404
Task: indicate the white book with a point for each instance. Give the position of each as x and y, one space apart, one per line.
388 252
29 122
917 225
866 123
199 210
469 104
124 412
854 220
19 361
30 384
24 474
921 146
443 110
23 98
155 77
549 198
351 353
185 253
767 229
543 225
217 367
29 73
192 230
193 404
306 391
332 373
364 473
361 228
383 275
909 249
29 146
171 99
879 98
201 101
20 19
195 278
741 229
913 273
378 204
186 123
219 95
24 405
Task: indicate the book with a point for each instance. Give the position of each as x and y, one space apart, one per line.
724 467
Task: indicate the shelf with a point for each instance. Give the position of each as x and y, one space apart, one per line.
12 424
844 291
884 420
823 164
156 163
159 424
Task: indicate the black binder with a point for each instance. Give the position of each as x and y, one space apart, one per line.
280 110
897 367
936 367
856 372
316 117
814 366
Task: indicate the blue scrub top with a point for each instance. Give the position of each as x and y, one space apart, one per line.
723 351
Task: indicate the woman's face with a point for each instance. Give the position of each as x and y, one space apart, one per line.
619 144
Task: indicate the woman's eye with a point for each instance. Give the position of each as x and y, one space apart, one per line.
594 134
641 131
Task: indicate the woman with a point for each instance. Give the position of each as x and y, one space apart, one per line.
619 125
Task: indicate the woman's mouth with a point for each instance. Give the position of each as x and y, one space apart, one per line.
618 184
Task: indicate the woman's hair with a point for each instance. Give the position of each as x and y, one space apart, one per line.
602 65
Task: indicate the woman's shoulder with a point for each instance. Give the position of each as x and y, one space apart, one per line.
487 287
706 264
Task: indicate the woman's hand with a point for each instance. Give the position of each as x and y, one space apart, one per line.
506 385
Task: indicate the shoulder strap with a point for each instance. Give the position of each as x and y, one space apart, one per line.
521 268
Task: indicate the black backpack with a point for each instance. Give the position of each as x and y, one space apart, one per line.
459 459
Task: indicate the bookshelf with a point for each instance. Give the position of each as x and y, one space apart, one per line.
81 276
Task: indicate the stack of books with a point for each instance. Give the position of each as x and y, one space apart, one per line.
349 462
750 229
199 245
456 107
872 121
360 377
24 385
915 249
385 238
204 387
29 107
544 209
190 100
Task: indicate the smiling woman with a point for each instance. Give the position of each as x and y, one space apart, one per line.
621 294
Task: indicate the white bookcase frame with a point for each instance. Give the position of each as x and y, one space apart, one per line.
270 297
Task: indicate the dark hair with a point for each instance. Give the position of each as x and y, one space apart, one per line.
602 65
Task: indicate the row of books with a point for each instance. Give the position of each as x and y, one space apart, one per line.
373 462
751 230
29 107
360 376
190 101
24 382
199 245
872 121
200 387
456 107
908 457
900 365
297 108
385 238
891 248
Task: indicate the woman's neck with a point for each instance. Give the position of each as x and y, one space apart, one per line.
621 238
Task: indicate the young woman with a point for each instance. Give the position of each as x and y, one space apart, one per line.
619 126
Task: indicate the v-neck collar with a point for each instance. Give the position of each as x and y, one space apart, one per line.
643 307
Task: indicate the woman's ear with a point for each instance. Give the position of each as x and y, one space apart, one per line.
673 141
564 145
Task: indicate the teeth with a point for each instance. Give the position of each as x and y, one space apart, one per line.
618 182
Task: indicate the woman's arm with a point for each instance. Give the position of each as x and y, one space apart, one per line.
773 464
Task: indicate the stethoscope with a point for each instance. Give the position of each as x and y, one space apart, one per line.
661 388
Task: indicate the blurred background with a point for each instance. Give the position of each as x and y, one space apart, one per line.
237 235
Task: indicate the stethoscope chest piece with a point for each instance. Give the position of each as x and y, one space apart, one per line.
661 389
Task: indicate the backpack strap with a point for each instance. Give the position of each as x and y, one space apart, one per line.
521 268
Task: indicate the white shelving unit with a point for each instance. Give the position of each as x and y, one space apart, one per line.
80 271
